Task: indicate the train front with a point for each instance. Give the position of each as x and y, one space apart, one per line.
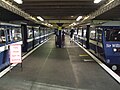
112 46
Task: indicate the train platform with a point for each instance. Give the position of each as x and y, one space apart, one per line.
51 68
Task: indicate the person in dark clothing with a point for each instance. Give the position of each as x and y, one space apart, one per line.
63 37
71 34
56 32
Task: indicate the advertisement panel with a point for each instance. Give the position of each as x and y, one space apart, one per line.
15 53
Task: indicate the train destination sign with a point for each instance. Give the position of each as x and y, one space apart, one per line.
113 45
15 53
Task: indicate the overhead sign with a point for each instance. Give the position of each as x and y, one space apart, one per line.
59 28
15 53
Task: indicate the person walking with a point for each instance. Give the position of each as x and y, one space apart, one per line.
71 34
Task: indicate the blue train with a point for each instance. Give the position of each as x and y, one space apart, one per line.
9 34
33 36
102 41
28 36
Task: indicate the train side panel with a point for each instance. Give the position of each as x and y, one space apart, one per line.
9 34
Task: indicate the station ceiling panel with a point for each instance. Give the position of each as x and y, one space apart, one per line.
112 14
6 15
64 11
59 9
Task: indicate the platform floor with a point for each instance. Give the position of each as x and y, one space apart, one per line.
51 68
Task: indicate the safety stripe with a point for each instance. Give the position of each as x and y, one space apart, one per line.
107 69
13 65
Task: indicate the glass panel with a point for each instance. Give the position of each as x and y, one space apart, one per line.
112 34
41 31
80 33
9 36
92 34
2 36
84 33
30 34
36 32
16 34
99 35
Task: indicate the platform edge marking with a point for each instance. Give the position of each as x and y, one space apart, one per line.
2 73
107 69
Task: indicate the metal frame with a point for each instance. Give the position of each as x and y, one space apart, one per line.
104 8
7 5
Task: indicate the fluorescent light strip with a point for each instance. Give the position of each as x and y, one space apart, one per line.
18 1
79 17
109 2
40 18
97 1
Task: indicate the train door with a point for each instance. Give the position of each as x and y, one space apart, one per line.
32 42
92 40
4 57
44 33
9 35
80 36
2 46
40 34
99 43
2 37
9 40
87 36
84 37
29 38
24 37
36 36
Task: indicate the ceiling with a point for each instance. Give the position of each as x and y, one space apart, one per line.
113 14
7 16
59 11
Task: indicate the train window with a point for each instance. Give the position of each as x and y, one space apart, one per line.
84 33
40 32
36 32
92 34
2 36
112 34
99 35
80 32
9 34
44 31
30 34
16 33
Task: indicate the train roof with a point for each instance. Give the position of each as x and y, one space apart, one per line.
9 24
108 27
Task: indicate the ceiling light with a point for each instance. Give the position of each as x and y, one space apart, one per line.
79 17
40 18
18 1
97 1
